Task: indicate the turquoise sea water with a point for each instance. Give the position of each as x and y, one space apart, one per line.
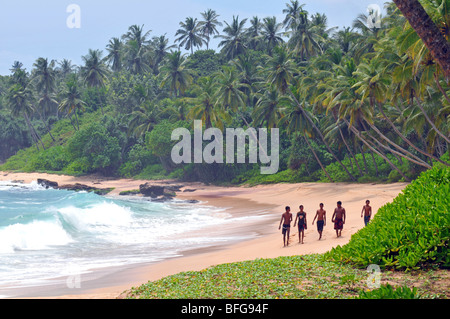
47 234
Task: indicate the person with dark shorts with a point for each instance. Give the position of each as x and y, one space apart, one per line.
286 219
321 219
367 210
301 217
338 218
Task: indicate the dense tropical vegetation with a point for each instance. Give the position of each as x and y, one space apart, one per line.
362 103
411 233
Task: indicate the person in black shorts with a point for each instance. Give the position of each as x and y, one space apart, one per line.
321 219
301 217
287 218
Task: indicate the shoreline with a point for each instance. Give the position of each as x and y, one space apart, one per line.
240 200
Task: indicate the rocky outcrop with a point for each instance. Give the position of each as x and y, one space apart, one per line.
73 187
150 190
81 187
47 184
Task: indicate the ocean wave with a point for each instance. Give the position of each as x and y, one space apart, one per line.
37 235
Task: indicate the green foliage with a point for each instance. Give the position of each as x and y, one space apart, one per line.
388 292
94 149
138 158
13 135
309 276
412 232
205 62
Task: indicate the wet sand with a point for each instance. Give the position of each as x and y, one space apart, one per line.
268 200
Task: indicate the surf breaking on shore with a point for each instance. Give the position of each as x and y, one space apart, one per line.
240 201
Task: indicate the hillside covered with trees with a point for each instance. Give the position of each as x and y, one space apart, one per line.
367 102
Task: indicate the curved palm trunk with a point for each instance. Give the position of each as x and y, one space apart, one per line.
317 158
348 147
440 88
408 141
429 120
399 153
366 169
410 157
372 148
46 126
33 132
321 136
428 31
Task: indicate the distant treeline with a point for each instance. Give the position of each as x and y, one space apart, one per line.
361 103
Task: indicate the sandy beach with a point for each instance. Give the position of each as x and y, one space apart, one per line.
242 200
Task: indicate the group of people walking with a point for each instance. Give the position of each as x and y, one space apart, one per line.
338 219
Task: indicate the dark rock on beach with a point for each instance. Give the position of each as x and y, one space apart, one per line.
151 190
47 184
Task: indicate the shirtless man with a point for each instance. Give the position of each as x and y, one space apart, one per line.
301 217
367 210
287 218
338 218
321 219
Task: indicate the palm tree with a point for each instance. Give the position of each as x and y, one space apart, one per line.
208 26
427 31
229 94
271 34
205 107
65 68
136 34
296 123
71 100
233 42
94 71
305 39
44 76
346 38
269 108
253 33
115 51
143 119
247 69
160 47
176 73
294 11
19 99
190 35
372 85
281 71
136 49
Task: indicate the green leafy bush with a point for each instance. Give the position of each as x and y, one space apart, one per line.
388 292
411 232
95 147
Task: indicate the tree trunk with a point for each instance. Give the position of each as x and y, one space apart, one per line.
348 147
374 163
364 160
317 158
408 141
34 134
436 78
46 126
321 136
429 120
427 31
358 135
410 157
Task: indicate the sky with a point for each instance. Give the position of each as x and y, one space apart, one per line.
30 29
